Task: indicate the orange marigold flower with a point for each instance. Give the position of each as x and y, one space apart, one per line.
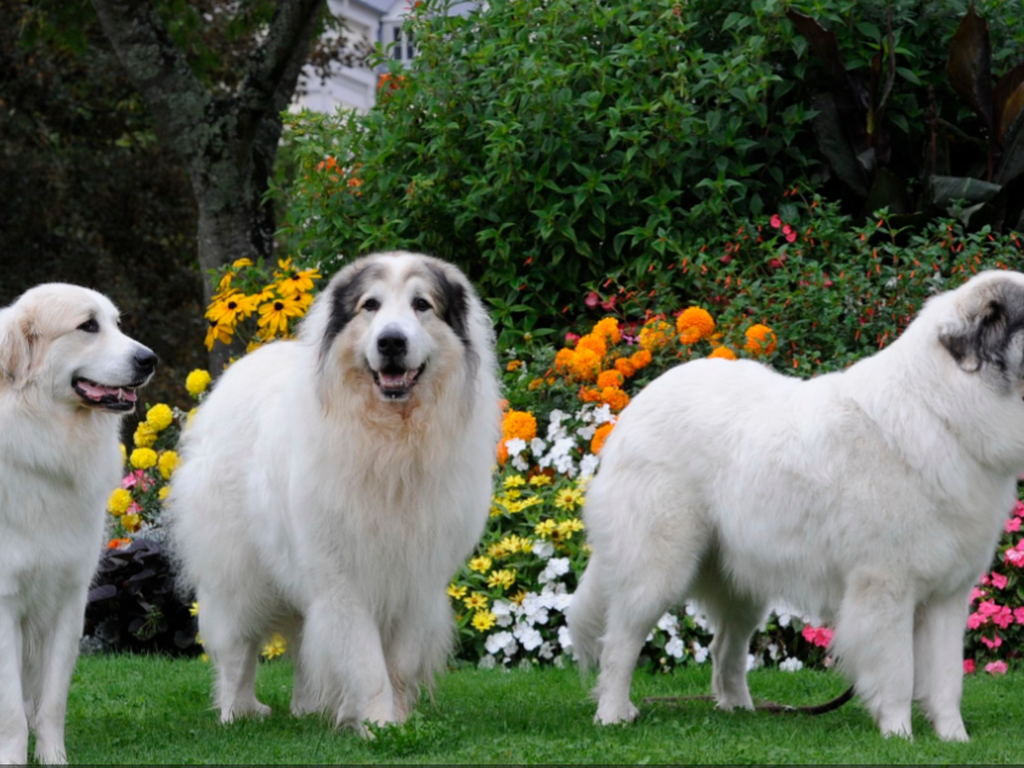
615 398
640 359
502 452
610 378
118 543
521 424
564 360
608 329
723 352
586 364
760 340
694 324
514 365
625 367
600 436
594 343
655 335
536 384
590 395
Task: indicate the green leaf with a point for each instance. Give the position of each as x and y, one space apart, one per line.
970 64
945 189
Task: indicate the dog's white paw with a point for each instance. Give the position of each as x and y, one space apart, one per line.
951 730
51 755
614 713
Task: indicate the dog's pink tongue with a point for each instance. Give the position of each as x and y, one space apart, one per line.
97 392
392 380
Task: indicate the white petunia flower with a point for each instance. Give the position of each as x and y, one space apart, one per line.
515 446
503 612
528 636
675 648
500 641
792 664
487 662
700 653
543 549
669 623
557 566
564 638
588 465
538 446
586 433
547 650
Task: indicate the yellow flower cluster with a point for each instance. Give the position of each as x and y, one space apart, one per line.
275 647
119 502
277 304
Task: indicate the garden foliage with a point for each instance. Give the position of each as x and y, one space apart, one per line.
543 144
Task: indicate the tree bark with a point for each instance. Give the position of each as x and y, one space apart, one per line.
228 145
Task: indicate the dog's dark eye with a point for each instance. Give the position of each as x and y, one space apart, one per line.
421 305
90 326
371 305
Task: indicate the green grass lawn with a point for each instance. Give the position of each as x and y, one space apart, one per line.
126 709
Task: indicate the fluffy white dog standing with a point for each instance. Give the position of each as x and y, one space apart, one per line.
331 486
872 498
66 374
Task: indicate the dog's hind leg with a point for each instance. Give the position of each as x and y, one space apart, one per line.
874 640
938 663
13 725
233 646
647 578
734 619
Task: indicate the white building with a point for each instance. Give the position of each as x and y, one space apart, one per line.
367 22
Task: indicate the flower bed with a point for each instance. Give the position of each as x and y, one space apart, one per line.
803 300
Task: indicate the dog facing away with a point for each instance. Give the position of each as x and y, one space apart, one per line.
331 486
67 374
872 498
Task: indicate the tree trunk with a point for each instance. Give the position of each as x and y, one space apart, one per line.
228 145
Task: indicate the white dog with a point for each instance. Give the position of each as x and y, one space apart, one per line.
872 498
331 486
66 374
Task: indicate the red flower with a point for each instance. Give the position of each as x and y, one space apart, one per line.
776 222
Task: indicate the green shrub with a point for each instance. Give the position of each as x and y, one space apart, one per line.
541 145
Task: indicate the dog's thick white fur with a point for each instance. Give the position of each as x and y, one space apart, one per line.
872 498
66 373
331 486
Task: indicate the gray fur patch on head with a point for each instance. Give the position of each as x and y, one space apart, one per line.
991 333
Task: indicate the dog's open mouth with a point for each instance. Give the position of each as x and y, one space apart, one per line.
395 383
120 399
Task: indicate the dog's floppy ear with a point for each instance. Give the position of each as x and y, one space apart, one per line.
982 335
18 342
454 301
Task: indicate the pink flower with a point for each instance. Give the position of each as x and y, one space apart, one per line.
1013 525
968 666
1015 556
819 636
134 508
988 608
998 580
975 620
1004 618
1018 508
726 259
994 643
609 304
776 222
137 477
592 300
996 668
790 237
1018 614
571 339
775 263
977 594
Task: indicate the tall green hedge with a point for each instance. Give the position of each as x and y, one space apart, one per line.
545 144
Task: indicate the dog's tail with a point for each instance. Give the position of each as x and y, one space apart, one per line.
586 616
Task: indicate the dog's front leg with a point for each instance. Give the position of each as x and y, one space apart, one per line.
13 725
343 655
59 652
938 663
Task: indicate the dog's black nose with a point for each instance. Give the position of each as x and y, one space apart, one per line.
391 344
145 361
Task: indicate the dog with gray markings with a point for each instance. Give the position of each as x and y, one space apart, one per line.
872 498
67 375
330 487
